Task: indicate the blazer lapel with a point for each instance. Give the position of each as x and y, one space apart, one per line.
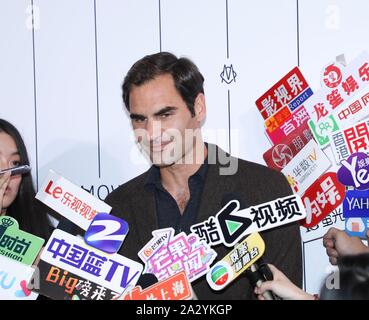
216 186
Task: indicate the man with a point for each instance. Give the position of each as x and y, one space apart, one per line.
190 180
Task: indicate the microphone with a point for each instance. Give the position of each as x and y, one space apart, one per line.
146 280
256 274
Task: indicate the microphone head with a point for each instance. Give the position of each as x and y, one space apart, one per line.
146 280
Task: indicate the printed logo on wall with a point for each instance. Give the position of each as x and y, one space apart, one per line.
16 244
106 233
354 171
237 261
228 75
321 198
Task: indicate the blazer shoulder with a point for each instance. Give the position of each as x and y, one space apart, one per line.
127 189
259 170
246 169
263 180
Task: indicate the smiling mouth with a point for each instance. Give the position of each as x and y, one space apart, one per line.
159 147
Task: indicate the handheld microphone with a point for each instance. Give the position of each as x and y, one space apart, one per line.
146 280
256 273
17 170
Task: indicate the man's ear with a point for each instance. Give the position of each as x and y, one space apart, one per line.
200 107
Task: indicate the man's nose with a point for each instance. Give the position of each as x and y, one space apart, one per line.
153 129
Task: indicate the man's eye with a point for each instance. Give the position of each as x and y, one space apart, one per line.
138 120
165 115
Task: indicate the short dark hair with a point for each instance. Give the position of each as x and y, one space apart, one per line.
353 279
188 80
26 209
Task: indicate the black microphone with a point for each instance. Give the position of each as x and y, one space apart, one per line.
146 280
258 272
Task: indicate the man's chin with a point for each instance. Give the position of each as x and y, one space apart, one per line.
162 160
162 163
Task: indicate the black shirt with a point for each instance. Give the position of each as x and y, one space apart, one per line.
167 210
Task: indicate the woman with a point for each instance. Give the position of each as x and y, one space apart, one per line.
17 194
352 282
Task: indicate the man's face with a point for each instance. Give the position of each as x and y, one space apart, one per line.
162 121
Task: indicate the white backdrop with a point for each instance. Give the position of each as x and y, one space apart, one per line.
60 81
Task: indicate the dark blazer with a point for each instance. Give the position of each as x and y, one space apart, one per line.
252 184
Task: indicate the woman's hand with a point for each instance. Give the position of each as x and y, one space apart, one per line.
4 181
282 287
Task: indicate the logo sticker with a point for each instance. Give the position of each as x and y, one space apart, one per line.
354 171
71 201
16 244
71 254
176 287
325 195
106 233
237 261
176 253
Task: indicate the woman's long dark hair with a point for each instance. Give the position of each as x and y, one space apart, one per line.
26 209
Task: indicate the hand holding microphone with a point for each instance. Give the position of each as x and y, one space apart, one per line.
280 286
258 275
